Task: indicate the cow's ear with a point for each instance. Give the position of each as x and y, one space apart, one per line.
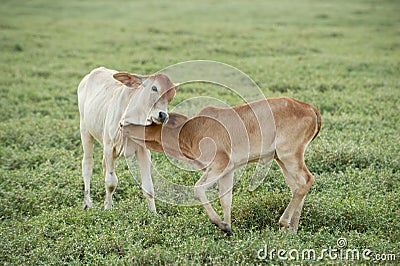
128 79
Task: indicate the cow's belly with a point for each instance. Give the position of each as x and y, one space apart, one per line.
95 95
94 119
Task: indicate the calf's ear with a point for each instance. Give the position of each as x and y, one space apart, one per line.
170 94
134 132
129 80
176 85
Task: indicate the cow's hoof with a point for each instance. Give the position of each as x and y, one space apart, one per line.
87 204
283 229
108 205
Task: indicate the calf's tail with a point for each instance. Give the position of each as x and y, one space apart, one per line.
319 122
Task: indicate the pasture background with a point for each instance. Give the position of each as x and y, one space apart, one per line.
341 56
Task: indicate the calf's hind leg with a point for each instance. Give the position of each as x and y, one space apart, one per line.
297 213
296 216
300 180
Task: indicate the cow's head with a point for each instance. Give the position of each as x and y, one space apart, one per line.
150 98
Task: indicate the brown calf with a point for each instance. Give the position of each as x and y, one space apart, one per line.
219 140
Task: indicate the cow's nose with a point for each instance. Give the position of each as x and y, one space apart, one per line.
162 116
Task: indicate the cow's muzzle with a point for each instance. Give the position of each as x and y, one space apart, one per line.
162 118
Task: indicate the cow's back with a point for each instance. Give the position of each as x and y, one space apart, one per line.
95 93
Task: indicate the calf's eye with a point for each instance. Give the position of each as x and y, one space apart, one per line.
154 88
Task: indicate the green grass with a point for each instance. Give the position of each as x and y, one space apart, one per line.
341 56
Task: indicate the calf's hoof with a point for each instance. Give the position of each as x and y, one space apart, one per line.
288 229
228 229
225 227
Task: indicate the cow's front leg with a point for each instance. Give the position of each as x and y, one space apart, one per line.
144 160
111 179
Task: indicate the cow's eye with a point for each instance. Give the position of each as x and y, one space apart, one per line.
154 88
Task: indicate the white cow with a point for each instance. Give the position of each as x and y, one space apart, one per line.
109 99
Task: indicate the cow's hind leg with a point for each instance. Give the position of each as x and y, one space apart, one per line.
87 164
111 179
300 180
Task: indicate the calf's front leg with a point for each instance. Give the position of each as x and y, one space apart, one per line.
225 196
208 179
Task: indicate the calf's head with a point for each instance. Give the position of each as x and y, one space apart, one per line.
149 99
155 136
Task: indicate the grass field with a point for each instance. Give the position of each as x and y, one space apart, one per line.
341 56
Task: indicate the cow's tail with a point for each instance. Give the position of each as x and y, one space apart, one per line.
119 145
